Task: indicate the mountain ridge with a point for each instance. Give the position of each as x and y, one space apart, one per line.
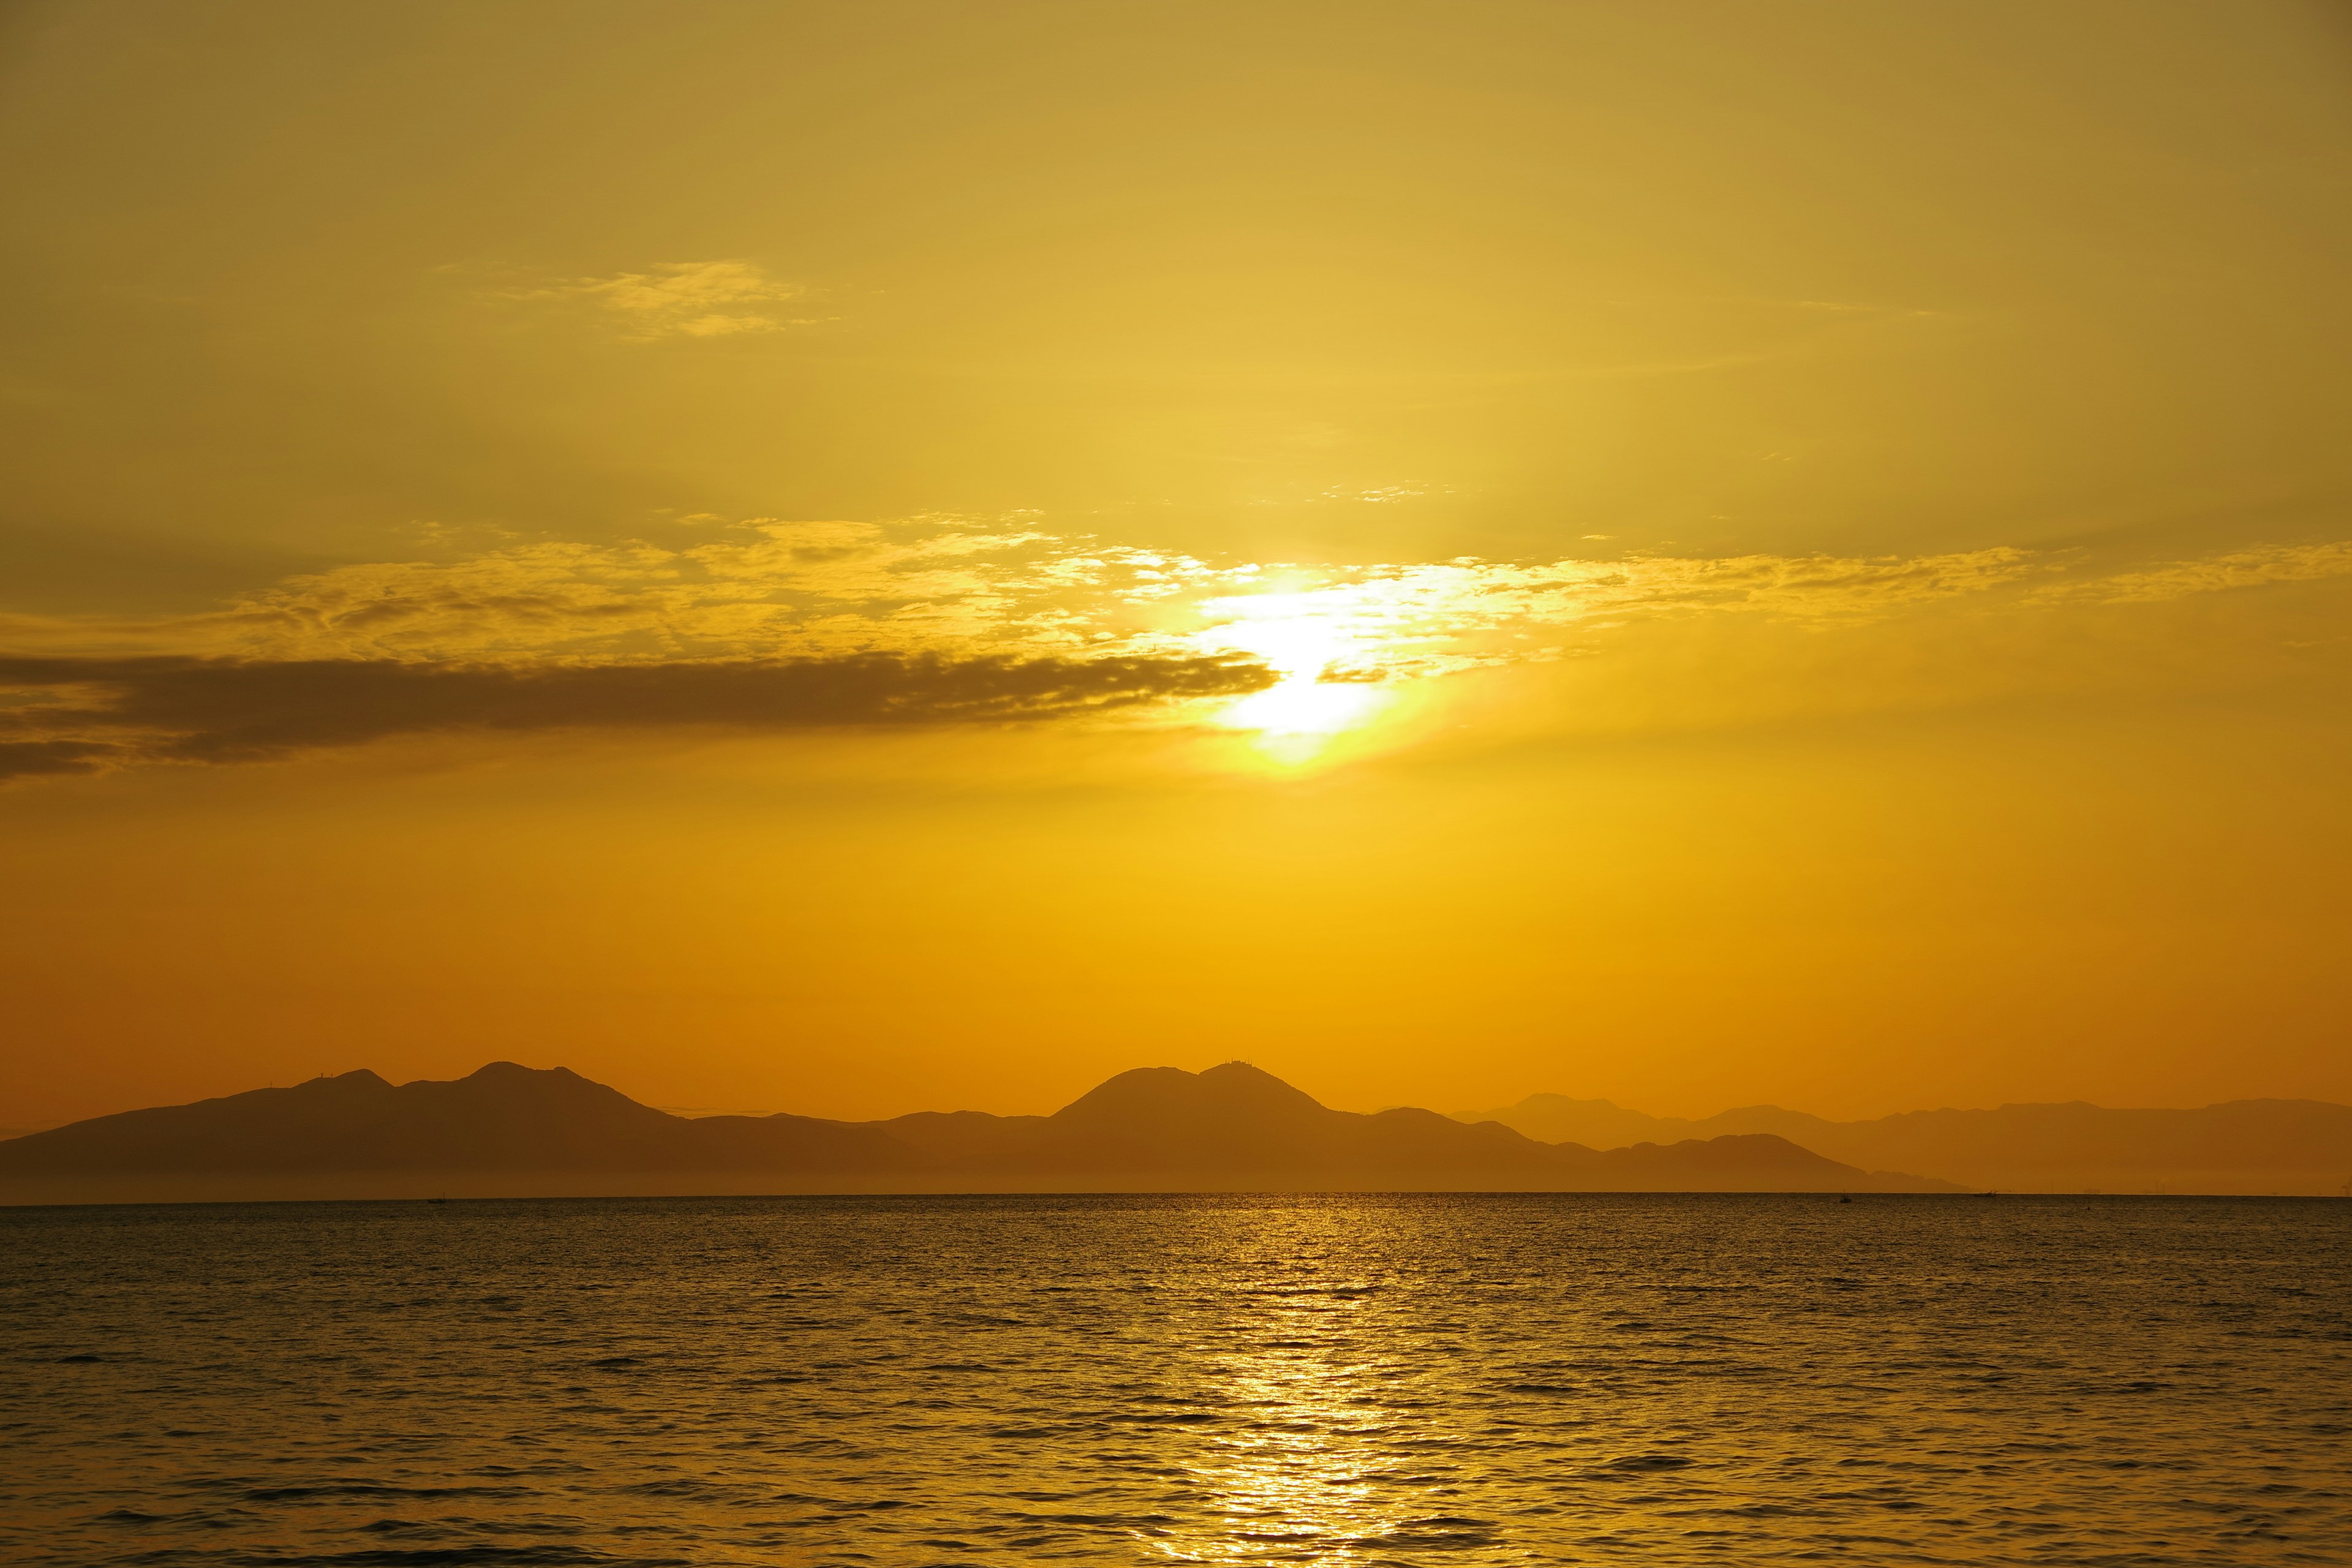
508 1129
2256 1145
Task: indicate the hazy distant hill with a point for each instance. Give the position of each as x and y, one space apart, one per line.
2240 1146
509 1130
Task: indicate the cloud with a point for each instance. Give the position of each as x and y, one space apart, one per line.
1431 618
31 758
954 586
769 624
685 299
81 715
2236 569
765 589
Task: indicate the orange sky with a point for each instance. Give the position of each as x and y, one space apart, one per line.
864 558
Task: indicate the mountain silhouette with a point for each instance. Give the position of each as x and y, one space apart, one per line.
2239 1147
515 1130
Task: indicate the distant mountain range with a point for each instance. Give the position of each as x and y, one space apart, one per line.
514 1131
2240 1146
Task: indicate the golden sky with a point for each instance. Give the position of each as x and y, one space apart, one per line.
873 557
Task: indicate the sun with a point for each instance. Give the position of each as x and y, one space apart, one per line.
1327 684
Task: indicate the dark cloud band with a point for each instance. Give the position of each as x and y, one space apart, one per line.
91 713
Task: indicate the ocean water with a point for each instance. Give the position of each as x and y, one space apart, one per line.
1341 1380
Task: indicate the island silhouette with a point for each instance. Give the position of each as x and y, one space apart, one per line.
2294 1146
512 1131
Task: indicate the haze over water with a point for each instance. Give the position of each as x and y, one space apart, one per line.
1345 1379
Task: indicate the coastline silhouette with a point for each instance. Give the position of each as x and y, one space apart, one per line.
2240 1146
511 1130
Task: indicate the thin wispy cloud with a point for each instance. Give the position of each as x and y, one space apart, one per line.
685 299
2234 569
768 588
1432 618
769 623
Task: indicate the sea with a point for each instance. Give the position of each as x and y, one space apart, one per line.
1334 1379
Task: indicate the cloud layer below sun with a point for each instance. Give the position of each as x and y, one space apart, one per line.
768 625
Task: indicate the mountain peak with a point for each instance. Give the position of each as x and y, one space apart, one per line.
363 1081
516 1071
1239 1080
1157 1092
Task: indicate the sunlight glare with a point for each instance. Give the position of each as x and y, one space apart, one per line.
1305 706
1296 719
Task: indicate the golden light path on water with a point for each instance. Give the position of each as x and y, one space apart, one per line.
1287 1491
1343 1380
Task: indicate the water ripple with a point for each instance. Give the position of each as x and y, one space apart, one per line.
1357 1379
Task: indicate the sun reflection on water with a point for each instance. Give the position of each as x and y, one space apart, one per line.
1290 1479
